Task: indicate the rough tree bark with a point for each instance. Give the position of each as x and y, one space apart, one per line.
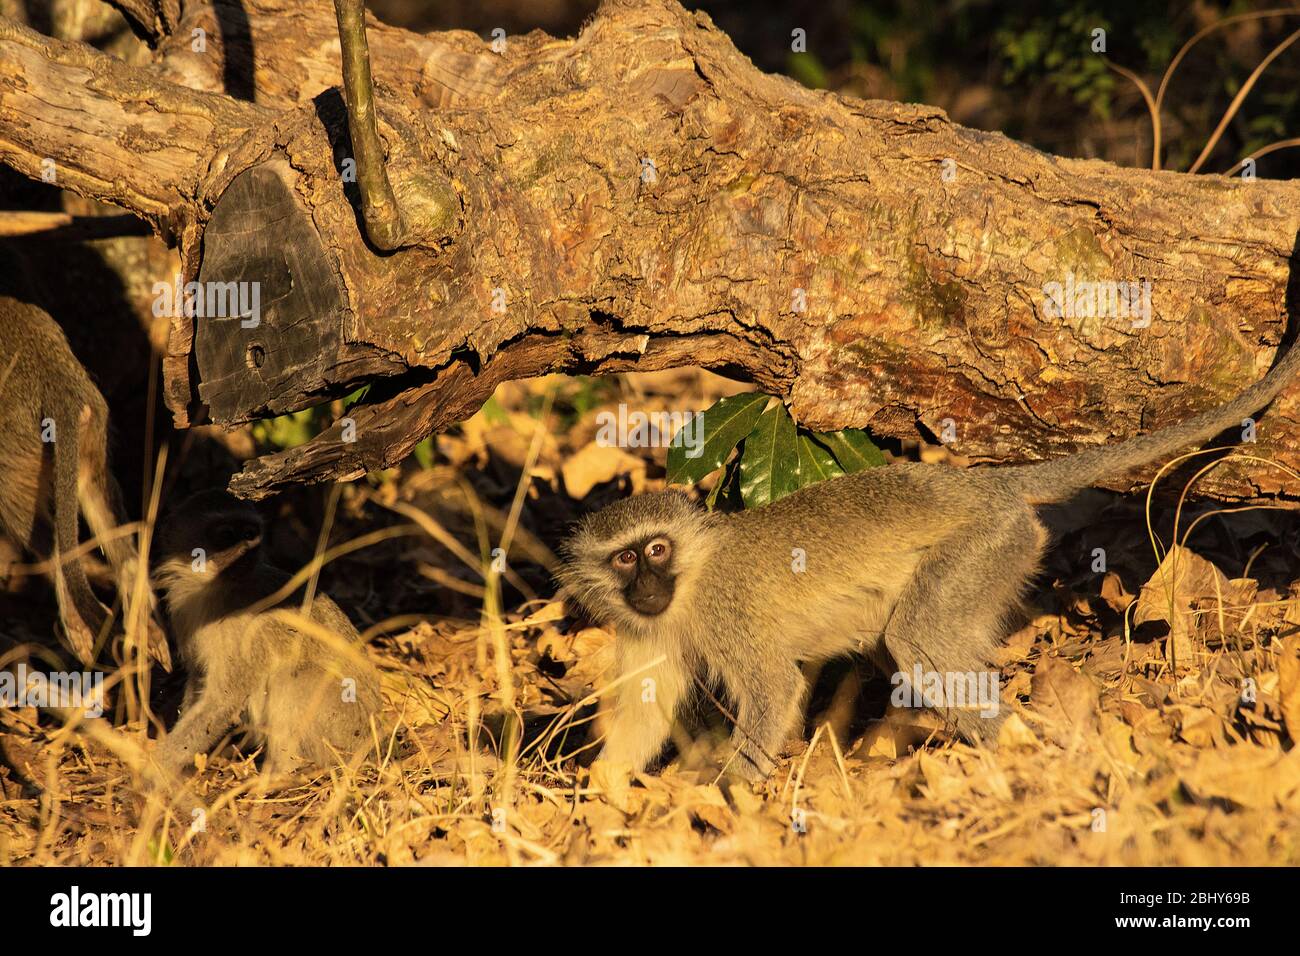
642 197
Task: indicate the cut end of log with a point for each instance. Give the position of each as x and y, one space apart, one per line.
268 310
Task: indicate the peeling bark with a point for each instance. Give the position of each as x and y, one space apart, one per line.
641 197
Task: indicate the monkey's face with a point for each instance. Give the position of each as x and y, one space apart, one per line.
633 564
232 536
205 537
645 570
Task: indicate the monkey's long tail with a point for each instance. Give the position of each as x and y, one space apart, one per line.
82 614
1055 480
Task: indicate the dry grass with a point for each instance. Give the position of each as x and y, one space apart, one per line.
1129 745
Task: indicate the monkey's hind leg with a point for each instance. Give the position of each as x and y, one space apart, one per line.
101 503
80 612
304 721
284 757
954 612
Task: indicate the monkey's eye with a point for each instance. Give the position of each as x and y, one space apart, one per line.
658 550
230 533
625 560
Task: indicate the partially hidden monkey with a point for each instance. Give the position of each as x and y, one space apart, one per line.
924 565
47 401
306 692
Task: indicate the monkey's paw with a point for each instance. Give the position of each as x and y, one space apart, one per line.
613 781
737 772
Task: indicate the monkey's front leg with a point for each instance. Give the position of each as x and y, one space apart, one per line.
201 726
645 703
769 700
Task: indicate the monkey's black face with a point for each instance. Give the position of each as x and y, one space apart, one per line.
232 537
646 572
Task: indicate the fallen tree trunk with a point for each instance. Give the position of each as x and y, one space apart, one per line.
641 197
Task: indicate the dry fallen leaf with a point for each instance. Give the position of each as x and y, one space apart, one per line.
1288 684
1067 699
878 741
706 805
898 731
1248 776
1200 726
1183 579
944 780
510 441
1016 735
1106 657
1018 645
1117 737
590 654
1113 593
596 464
1018 686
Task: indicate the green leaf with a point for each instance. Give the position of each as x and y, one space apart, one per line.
718 430
808 70
494 413
356 396
851 448
424 453
815 462
769 469
161 851
289 431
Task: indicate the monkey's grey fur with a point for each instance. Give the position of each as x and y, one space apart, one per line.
244 661
922 564
43 386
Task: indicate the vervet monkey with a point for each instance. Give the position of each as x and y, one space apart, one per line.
307 693
48 401
921 564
